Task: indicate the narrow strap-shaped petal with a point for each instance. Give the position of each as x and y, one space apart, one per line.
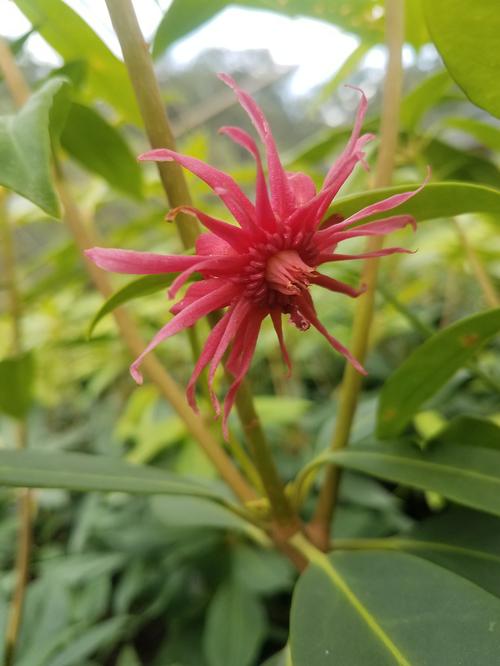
138 263
277 323
265 215
307 308
281 193
324 258
336 285
235 237
216 266
336 234
337 167
221 183
205 357
386 204
309 216
303 187
250 336
187 317
233 327
195 291
209 245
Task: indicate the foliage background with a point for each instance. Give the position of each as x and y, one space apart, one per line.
119 579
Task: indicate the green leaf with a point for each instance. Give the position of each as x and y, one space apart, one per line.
70 36
16 383
485 133
100 148
471 431
466 36
195 512
282 658
98 637
422 98
464 541
235 627
280 410
390 608
143 286
429 367
25 151
81 472
434 201
465 474
261 571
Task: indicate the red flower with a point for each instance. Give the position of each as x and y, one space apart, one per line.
266 264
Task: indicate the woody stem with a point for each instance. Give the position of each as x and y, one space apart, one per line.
351 382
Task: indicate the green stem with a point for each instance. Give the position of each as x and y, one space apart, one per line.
147 92
281 507
351 382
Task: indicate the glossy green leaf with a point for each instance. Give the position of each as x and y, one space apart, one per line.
434 201
465 474
16 385
429 367
235 627
70 36
143 286
100 148
390 608
81 472
464 541
25 151
466 35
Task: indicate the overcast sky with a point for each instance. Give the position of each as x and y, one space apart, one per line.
317 48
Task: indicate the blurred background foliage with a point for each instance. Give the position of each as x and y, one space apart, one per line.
125 580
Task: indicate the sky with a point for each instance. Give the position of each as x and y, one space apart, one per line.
316 48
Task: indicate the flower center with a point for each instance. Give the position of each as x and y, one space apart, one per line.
287 273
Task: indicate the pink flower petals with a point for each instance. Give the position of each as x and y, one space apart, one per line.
266 265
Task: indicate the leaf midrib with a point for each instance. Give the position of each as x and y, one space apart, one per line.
340 583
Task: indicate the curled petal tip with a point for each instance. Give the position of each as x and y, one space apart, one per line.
136 375
357 89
